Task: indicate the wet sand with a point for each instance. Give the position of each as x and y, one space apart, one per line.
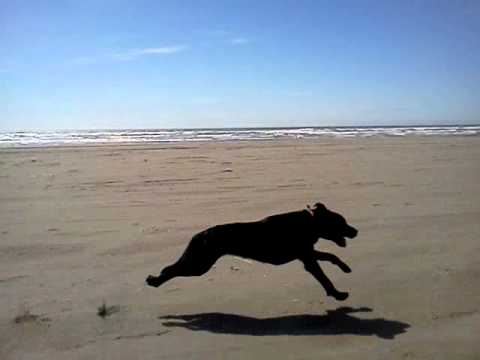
83 226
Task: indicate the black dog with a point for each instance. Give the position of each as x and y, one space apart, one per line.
276 240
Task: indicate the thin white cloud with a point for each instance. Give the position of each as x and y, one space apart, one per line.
132 54
239 41
136 53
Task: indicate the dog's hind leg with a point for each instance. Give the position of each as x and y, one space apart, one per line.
167 274
313 268
196 260
323 256
182 268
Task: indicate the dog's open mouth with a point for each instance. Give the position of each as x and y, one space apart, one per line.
341 242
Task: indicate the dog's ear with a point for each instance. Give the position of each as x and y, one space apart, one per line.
319 207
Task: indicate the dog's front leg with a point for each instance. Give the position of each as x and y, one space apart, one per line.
323 256
313 268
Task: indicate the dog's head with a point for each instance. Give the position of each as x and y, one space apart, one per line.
332 226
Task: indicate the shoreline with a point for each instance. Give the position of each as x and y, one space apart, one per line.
145 136
193 143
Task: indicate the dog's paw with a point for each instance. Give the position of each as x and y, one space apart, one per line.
152 281
340 295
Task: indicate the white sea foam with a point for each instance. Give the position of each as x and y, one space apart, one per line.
78 137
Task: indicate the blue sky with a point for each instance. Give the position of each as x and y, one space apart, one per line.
163 64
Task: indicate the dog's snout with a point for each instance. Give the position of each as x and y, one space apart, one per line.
352 232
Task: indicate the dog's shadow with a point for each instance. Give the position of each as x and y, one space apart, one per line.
334 322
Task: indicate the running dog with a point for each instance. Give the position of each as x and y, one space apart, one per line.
276 240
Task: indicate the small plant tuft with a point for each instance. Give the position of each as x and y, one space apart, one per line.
103 311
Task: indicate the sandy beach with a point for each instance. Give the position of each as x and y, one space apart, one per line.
83 226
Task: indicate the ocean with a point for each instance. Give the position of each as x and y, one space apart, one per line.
86 137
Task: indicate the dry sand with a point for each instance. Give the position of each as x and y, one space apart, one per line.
83 226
